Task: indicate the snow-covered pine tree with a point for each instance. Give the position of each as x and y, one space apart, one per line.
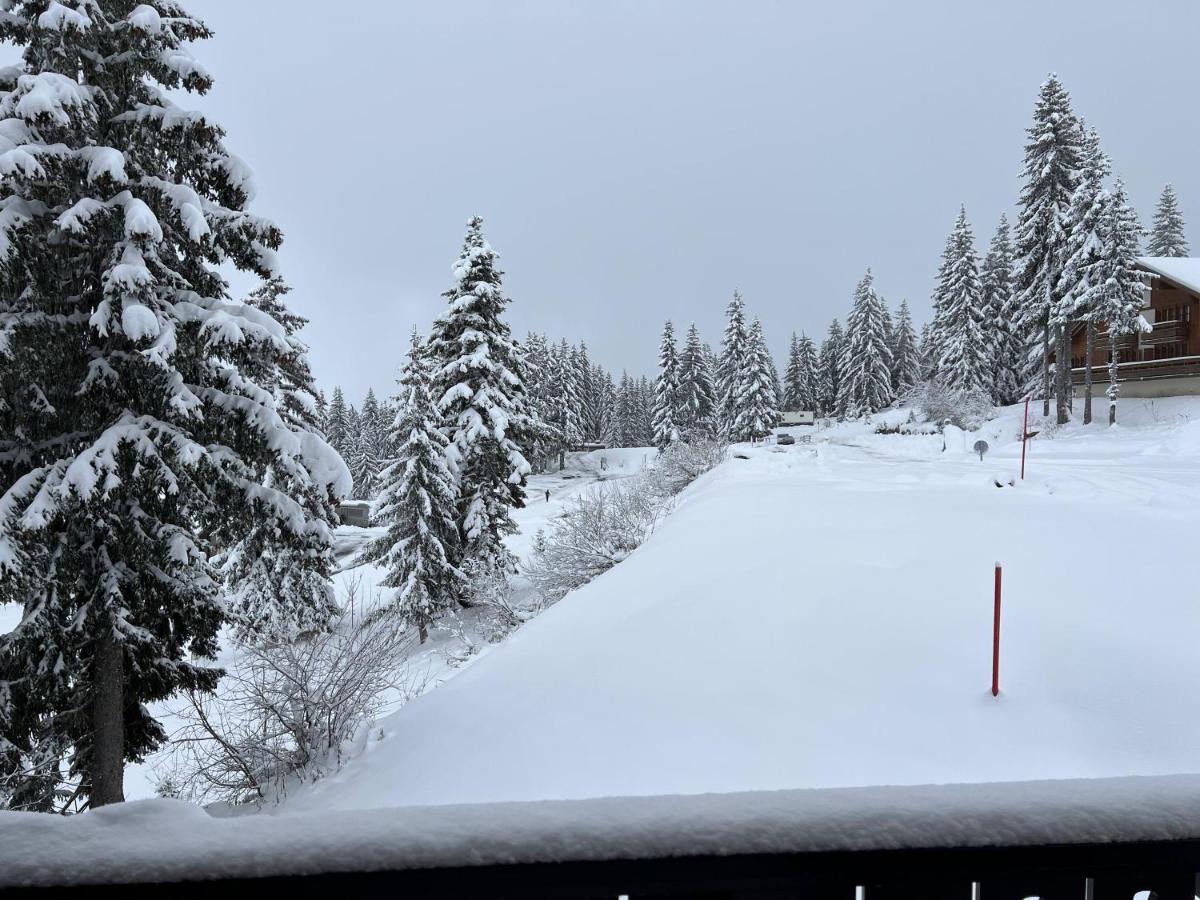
964 365
757 404
337 423
697 399
1082 251
866 365
367 458
731 369
1004 340
418 505
1050 174
791 376
1167 230
808 380
644 396
478 383
830 387
606 394
1115 283
140 435
537 372
666 390
564 402
277 592
588 411
932 344
906 357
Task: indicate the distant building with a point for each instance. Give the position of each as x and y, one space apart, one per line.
356 513
797 417
1166 361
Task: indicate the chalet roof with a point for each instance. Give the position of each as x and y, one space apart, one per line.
1183 270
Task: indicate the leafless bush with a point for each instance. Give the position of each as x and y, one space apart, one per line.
942 404
287 711
607 523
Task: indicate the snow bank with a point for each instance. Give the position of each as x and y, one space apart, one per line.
165 840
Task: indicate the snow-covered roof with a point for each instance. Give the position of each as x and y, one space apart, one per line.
169 840
1183 270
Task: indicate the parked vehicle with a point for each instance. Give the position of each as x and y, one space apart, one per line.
784 439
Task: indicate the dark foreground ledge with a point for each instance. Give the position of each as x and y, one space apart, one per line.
1103 839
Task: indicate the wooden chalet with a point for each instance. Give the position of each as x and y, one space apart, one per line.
1164 362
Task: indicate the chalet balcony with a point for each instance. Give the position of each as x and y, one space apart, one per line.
1145 370
1173 332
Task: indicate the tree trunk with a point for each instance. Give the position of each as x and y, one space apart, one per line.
1113 389
1087 373
107 771
1046 368
1062 374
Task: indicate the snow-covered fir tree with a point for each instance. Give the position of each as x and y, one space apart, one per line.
809 382
418 505
830 377
964 364
478 383
337 423
866 364
1049 175
731 370
1003 339
1082 250
278 592
1167 230
1115 284
792 377
756 405
141 434
697 394
368 454
666 390
906 353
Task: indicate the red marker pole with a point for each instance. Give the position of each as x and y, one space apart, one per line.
1024 438
996 638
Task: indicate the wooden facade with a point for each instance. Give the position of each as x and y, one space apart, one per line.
1171 350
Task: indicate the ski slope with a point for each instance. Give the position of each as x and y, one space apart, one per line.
821 617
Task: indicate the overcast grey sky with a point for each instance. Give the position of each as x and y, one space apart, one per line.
636 161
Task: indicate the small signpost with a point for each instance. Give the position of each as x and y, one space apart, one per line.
981 447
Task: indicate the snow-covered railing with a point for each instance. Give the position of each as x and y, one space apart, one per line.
1110 837
1143 370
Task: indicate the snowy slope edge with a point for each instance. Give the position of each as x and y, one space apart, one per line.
165 840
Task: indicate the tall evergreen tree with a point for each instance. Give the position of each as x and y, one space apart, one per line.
792 386
666 390
906 358
808 380
756 404
1051 164
696 391
960 322
419 506
831 394
1083 248
1115 283
478 383
369 452
141 433
1004 343
337 431
1166 232
733 363
275 592
866 359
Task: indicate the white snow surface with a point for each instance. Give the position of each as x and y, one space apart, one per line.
820 616
167 840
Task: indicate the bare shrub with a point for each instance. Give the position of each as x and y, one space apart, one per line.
602 526
287 710
943 404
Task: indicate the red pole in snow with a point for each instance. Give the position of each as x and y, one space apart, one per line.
996 638
1024 438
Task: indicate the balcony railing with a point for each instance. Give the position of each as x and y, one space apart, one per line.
1145 370
1173 332
1105 839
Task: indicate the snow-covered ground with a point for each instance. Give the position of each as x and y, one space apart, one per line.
820 615
446 653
